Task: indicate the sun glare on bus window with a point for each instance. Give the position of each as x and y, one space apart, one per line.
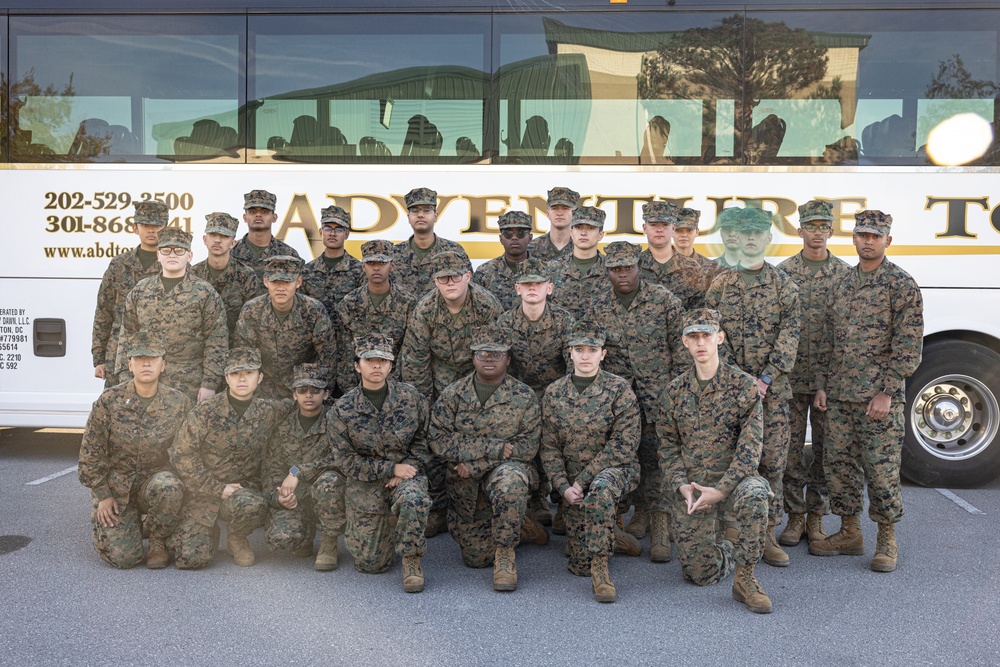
959 140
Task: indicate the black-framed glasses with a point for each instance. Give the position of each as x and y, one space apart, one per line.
817 228
489 355
167 252
308 389
444 280
426 210
515 233
334 229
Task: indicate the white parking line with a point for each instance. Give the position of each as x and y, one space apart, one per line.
968 507
52 476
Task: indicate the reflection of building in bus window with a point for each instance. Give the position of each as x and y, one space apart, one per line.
536 136
654 142
422 138
466 149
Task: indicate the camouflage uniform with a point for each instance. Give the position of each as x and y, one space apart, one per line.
330 285
542 247
414 275
683 276
358 316
496 275
575 287
274 248
538 353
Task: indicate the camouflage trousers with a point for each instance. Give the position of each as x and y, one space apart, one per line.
487 513
194 541
590 525
648 495
705 557
775 452
320 504
370 536
858 447
160 498
437 483
798 476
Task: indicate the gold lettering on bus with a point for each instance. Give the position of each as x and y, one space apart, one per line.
624 212
536 207
480 212
388 212
958 214
783 209
300 216
842 213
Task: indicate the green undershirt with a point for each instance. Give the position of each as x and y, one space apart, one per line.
147 258
376 396
581 383
484 390
239 406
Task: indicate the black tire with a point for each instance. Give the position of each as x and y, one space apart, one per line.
950 442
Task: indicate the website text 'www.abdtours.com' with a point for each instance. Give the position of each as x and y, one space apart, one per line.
96 249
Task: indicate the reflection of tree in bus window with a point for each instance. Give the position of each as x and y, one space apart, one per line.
654 142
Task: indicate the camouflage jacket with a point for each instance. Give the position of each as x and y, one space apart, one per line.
357 315
814 292
575 289
330 286
464 431
120 277
436 348
874 335
497 277
290 446
191 320
761 322
712 436
542 248
538 352
306 335
585 433
683 276
237 284
124 444
275 248
643 341
414 275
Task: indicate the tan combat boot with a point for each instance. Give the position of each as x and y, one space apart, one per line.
239 549
437 522
794 530
886 552
814 527
541 513
157 556
413 574
505 570
774 555
600 578
532 531
328 555
848 541
639 524
626 544
747 590
559 521
659 538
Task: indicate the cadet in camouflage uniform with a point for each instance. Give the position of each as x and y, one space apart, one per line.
590 434
381 306
873 341
379 433
218 453
710 431
759 306
235 282
304 489
413 257
121 276
815 271
642 323
287 328
499 274
558 241
685 232
186 313
334 274
662 264
124 462
728 223
259 244
578 276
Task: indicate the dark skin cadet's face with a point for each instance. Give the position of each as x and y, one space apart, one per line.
624 279
492 369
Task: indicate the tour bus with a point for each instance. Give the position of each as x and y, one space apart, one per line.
890 105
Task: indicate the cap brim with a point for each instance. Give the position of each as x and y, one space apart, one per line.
281 277
592 223
449 272
593 342
867 229
700 328
666 221
531 278
562 202
377 354
376 258
236 368
309 382
489 347
146 352
220 230
614 263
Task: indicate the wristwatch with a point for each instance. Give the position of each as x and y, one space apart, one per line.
294 471
890 394
766 379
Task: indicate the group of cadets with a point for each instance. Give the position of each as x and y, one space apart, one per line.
389 399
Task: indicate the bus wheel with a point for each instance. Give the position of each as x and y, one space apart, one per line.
952 416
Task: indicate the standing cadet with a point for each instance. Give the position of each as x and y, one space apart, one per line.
816 271
218 453
259 244
685 232
728 222
579 275
124 460
557 241
759 306
498 275
334 274
186 313
486 427
590 434
381 305
710 431
661 263
121 276
304 489
287 328
642 323
413 256
235 282
380 442
872 343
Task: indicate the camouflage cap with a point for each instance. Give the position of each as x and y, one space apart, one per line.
374 346
688 217
872 222
449 263
489 338
421 197
586 332
242 359
728 218
702 320
309 375
533 270
151 212
752 219
284 268
659 211
221 223
563 197
259 199
145 344
334 215
588 215
377 251
174 237
621 253
815 209
515 220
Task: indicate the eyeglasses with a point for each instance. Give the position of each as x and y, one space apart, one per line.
514 233
302 391
421 209
444 280
817 228
489 355
167 252
328 229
